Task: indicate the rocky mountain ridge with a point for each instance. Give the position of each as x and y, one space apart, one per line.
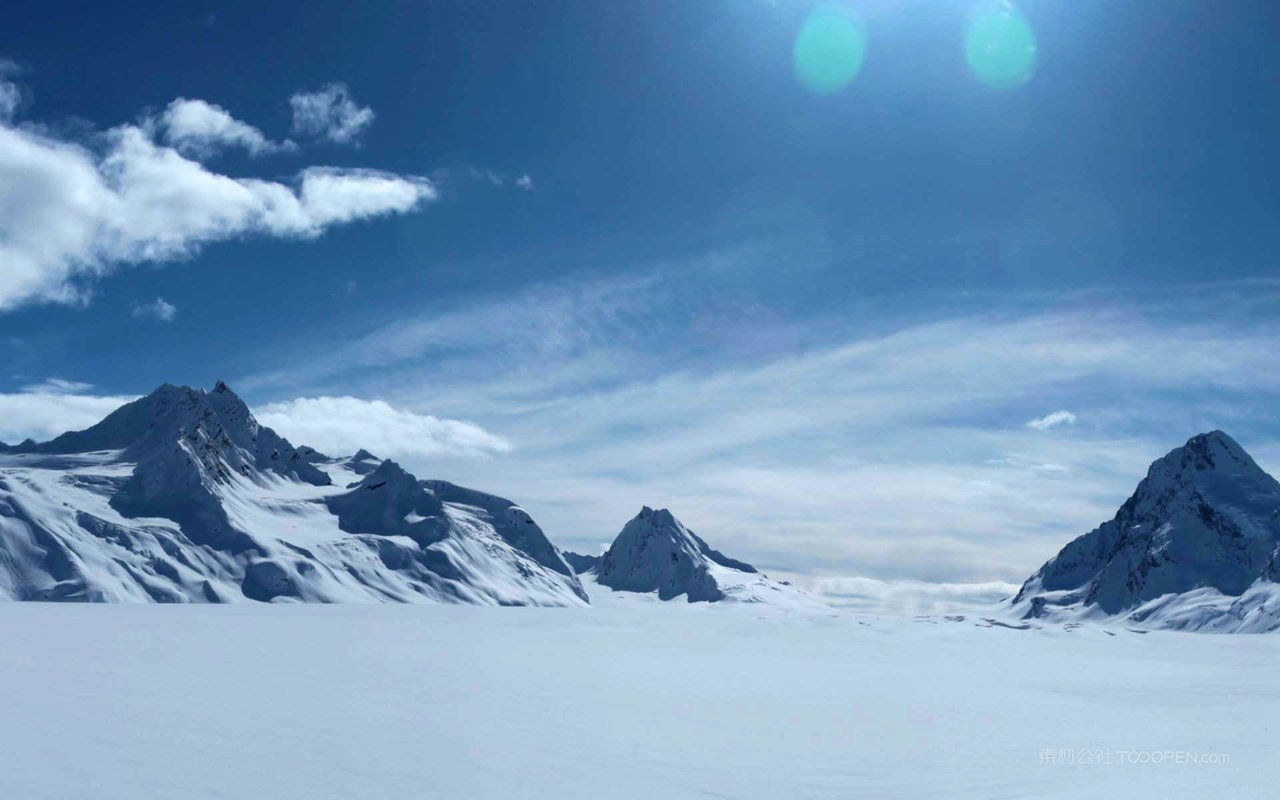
182 496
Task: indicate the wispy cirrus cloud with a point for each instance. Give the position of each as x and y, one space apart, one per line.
895 451
57 386
1052 420
331 114
158 309
10 94
484 175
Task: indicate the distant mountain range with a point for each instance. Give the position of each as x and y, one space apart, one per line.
182 496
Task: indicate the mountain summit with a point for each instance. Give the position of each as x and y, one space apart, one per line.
215 427
1204 525
655 552
183 496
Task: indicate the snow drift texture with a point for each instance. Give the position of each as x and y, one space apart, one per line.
1195 547
182 496
656 553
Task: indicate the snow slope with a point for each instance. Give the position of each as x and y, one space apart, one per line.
655 552
630 701
182 496
1196 547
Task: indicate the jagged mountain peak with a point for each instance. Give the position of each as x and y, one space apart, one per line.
656 552
166 412
1212 452
390 501
182 495
1209 476
661 522
362 462
389 471
1206 517
216 427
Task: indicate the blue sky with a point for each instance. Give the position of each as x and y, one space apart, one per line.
598 255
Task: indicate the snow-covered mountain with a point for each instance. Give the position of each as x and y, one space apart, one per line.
1197 546
580 563
182 496
655 552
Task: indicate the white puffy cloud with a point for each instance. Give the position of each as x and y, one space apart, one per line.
69 213
1052 420
45 410
342 425
200 128
910 598
157 309
330 196
57 386
330 114
525 182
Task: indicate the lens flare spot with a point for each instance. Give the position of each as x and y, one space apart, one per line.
1000 46
829 50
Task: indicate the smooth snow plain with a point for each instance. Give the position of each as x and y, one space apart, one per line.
630 698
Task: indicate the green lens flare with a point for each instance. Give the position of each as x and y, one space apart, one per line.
829 50
1000 46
